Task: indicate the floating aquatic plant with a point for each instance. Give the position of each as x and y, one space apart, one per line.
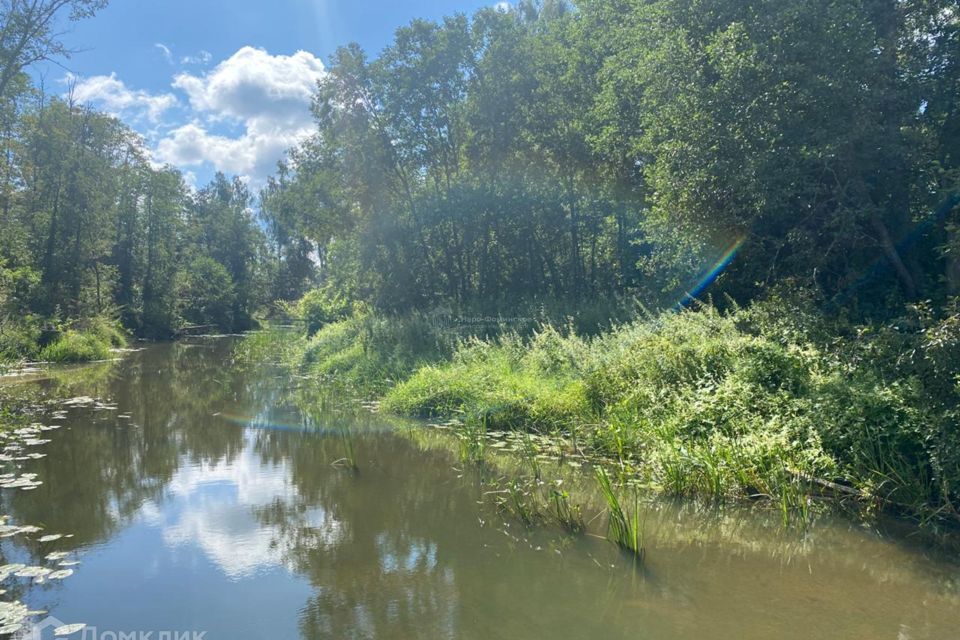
68 629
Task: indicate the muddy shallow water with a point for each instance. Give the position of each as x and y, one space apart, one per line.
200 500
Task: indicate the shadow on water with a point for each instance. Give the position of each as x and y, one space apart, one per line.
199 496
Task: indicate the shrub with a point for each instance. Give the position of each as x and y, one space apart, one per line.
76 346
18 339
320 307
697 402
106 329
372 353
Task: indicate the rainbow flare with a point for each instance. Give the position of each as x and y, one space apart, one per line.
713 273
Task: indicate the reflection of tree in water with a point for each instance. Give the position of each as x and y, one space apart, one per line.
373 556
100 471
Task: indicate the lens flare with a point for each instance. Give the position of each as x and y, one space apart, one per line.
261 422
713 273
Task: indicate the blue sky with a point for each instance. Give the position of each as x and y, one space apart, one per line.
223 84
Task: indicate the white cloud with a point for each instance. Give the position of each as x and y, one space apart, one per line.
268 96
112 95
165 50
213 506
203 57
252 84
252 155
503 7
240 117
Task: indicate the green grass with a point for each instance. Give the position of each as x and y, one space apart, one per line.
81 341
18 340
568 515
764 403
708 404
370 353
506 382
624 528
76 346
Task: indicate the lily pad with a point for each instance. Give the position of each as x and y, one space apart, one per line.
33 572
11 568
68 629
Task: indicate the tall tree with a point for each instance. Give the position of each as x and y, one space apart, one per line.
30 33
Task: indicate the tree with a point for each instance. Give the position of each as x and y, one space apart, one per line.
207 294
28 33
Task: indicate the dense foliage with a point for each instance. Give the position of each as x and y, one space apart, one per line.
798 157
799 160
93 231
621 147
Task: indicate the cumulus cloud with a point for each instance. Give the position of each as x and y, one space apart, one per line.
240 117
112 95
267 95
252 84
253 155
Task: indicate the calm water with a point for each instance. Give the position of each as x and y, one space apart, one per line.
199 501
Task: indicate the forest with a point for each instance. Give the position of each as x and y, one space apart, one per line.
717 239
555 153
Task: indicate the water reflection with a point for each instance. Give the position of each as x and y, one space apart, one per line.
217 498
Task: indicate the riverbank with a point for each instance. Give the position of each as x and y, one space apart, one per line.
757 403
86 341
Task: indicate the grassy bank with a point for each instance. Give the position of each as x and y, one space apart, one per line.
370 354
81 341
756 403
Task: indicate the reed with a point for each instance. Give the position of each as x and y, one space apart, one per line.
568 515
472 440
623 529
349 459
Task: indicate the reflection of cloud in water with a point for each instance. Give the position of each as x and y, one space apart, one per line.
212 506
419 554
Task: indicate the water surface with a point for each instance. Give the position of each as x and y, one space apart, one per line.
199 498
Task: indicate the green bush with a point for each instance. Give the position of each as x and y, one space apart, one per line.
76 346
746 402
107 330
502 382
320 307
18 340
707 403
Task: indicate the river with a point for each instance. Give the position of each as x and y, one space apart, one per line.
200 500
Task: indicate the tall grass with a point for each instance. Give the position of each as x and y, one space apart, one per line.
370 353
471 440
709 404
568 515
750 403
624 528
349 459
76 346
82 340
